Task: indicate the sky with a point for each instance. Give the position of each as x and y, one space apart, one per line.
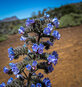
24 8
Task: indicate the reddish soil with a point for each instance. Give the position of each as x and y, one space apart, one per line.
68 71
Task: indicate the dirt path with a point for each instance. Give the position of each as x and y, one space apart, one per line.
68 71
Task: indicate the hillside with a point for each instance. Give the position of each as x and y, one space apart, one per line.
66 9
13 18
68 15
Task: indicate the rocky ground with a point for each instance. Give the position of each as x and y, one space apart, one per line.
68 71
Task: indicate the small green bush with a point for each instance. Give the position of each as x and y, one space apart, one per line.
70 20
3 37
15 29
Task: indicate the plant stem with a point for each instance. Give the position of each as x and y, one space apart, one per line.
29 77
29 56
25 74
38 38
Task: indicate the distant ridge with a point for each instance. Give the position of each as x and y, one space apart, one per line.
68 15
13 18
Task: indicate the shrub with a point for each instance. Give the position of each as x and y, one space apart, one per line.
3 37
70 20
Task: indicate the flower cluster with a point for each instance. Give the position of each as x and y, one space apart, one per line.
55 54
28 22
2 85
52 59
10 80
34 64
23 38
40 75
21 30
38 48
5 70
50 43
14 68
46 15
56 34
11 53
48 29
50 26
37 85
56 22
47 82
50 68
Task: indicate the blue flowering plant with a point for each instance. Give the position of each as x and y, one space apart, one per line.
25 71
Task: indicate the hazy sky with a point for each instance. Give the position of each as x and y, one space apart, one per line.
24 8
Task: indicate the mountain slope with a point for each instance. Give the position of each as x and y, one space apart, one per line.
13 18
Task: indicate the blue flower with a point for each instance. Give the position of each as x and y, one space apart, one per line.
47 82
50 68
54 61
10 49
28 67
38 85
56 35
41 45
14 68
5 70
40 75
10 80
11 53
40 50
46 15
33 85
12 65
55 54
21 30
35 47
23 38
50 43
55 19
34 63
2 85
47 31
44 80
50 26
28 22
56 23
50 58
11 57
